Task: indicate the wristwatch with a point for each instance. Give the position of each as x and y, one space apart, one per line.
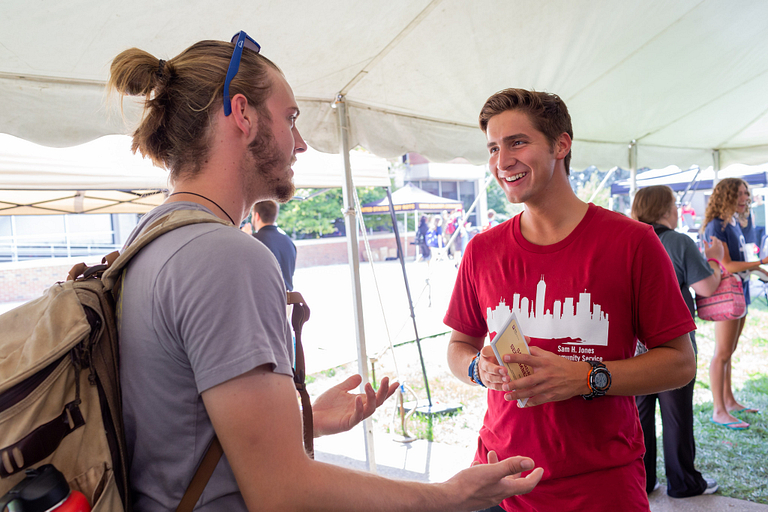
598 380
474 371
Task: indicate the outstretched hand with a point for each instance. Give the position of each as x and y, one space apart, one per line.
486 485
338 410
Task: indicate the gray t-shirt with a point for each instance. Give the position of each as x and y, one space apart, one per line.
690 265
195 311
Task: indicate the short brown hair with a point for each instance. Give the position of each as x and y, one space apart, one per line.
267 211
182 96
652 203
547 112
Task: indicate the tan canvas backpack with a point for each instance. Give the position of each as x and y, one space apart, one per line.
59 379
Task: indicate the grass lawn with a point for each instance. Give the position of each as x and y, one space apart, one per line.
738 460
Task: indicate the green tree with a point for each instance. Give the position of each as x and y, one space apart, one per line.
497 201
585 191
319 212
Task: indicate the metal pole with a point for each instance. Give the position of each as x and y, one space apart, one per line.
715 166
632 171
408 291
690 184
350 222
602 183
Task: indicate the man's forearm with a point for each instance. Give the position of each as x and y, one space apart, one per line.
668 366
319 486
460 354
554 378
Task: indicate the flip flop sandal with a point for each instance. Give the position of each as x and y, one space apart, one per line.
733 425
745 410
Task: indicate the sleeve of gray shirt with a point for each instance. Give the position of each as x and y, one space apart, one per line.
223 297
695 263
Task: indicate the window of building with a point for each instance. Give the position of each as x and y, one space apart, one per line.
449 189
433 187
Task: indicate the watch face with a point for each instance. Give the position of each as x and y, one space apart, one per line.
601 380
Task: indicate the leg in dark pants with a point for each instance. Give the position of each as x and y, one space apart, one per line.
683 479
646 407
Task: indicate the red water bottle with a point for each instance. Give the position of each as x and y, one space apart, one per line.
44 489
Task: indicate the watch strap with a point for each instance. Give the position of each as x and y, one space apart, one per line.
595 365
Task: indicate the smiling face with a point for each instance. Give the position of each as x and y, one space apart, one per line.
522 159
277 141
743 200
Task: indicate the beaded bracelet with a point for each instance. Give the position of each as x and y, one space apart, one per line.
474 371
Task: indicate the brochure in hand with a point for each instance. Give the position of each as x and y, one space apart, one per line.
510 340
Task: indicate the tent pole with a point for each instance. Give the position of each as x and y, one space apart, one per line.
408 291
602 183
715 166
632 171
350 222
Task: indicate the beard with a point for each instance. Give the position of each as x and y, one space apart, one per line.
270 166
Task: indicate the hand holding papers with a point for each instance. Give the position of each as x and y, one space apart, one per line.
510 340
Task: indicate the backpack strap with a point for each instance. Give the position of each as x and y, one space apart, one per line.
162 225
213 454
299 316
202 475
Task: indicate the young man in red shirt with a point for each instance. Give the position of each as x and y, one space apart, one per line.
585 284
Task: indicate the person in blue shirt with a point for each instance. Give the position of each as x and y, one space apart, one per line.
729 199
264 218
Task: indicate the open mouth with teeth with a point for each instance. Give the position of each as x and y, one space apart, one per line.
510 179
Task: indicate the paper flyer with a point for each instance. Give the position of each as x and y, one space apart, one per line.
510 340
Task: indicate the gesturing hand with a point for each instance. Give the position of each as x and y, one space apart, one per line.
714 249
485 485
338 410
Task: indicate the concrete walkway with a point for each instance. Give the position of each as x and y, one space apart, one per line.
425 461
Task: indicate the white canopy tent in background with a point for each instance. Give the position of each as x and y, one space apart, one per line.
103 176
694 179
680 78
678 81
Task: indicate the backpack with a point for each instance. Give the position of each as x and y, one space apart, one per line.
60 400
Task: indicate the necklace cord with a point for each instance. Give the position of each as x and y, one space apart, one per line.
207 199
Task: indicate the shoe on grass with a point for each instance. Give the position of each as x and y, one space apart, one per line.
712 486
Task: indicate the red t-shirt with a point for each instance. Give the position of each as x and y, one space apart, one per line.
589 296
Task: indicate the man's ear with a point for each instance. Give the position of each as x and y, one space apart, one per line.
244 117
563 146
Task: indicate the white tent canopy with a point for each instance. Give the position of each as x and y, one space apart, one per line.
694 179
681 78
103 176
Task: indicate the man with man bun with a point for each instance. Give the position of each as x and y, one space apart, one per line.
205 344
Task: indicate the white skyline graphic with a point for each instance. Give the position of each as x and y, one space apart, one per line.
584 322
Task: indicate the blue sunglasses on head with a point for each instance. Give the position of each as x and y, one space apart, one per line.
240 39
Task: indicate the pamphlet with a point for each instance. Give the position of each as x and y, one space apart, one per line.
510 340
